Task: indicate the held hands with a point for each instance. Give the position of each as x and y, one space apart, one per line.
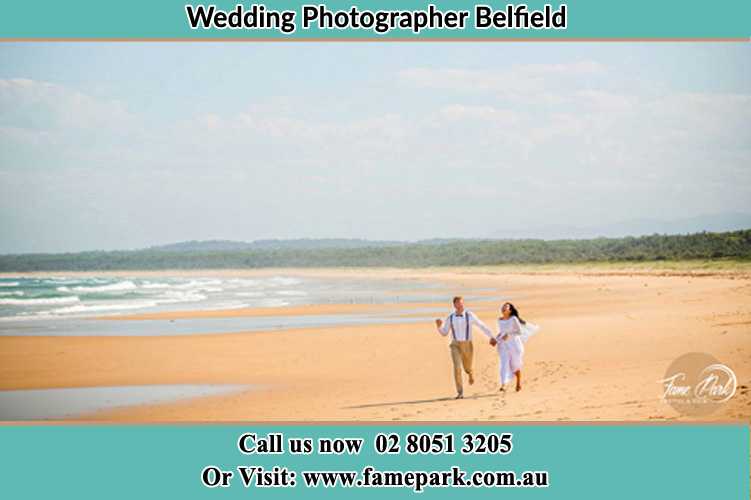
494 341
439 323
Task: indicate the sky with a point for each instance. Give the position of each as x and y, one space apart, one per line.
128 145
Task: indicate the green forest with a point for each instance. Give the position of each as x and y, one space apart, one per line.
705 245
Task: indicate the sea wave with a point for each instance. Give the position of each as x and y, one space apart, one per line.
284 281
176 297
62 280
291 293
242 282
198 284
148 285
71 296
121 286
83 308
40 301
223 306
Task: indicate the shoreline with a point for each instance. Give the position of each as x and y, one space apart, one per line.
697 268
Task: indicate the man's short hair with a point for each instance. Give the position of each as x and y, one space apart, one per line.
457 299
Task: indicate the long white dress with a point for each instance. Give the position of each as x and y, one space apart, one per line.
511 350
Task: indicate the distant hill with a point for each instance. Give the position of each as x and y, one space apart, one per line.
300 243
202 246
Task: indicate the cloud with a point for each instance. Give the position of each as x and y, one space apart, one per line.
43 124
525 79
40 104
478 113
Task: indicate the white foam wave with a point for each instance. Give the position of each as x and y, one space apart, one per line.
61 281
176 297
291 293
112 287
205 285
240 282
9 284
199 284
82 308
41 301
223 306
155 286
284 281
11 294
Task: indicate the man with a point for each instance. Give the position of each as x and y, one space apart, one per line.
460 323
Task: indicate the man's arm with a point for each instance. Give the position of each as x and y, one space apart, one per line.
443 326
482 326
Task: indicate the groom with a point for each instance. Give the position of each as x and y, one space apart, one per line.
460 323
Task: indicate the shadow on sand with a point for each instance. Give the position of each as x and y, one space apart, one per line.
416 401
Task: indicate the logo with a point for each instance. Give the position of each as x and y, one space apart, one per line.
697 384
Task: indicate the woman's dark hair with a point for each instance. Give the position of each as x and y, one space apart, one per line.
514 312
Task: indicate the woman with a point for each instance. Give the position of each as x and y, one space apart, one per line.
512 333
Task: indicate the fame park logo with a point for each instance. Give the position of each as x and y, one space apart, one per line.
697 384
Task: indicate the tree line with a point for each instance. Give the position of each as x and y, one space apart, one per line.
705 245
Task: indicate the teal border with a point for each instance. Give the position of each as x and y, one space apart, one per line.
585 461
166 20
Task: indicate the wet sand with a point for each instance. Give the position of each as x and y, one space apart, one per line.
607 338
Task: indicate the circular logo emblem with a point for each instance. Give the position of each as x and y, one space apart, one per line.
697 384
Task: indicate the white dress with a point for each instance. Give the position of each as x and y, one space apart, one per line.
511 350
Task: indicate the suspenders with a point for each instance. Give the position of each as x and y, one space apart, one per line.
466 324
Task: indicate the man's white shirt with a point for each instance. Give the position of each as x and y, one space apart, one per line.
461 329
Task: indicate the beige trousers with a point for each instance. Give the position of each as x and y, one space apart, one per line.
461 357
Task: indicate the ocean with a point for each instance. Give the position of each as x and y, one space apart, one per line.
58 297
61 296
65 305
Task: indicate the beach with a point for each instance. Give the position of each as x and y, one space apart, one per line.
608 336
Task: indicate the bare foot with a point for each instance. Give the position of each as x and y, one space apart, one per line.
518 387
502 389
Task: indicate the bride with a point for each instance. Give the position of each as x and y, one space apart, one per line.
513 332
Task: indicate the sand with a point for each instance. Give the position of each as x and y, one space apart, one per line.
607 338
